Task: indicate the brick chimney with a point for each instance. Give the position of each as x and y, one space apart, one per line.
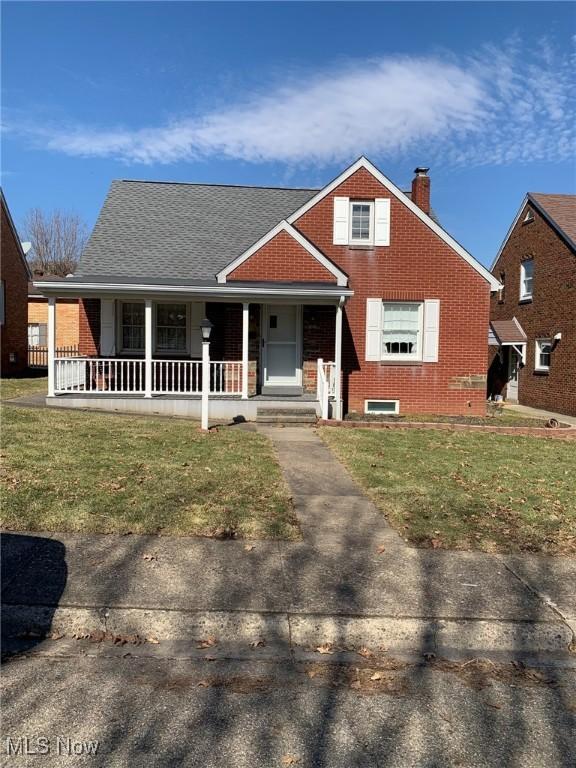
421 189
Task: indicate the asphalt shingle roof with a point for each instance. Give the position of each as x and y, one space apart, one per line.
561 209
154 230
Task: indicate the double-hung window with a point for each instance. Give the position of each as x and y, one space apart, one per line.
402 330
543 354
132 326
171 328
37 334
361 223
526 279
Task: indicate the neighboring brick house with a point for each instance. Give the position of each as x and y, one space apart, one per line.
13 298
534 315
352 292
67 322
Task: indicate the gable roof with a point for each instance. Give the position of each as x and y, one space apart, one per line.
558 210
363 162
156 230
284 226
15 233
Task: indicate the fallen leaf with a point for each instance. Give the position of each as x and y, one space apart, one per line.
290 760
55 635
494 706
153 640
380 549
249 547
376 676
209 642
365 652
325 648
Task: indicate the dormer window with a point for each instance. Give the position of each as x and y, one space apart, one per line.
526 279
361 223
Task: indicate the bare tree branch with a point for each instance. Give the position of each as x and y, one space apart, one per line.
58 240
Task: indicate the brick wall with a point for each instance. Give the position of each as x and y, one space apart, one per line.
14 331
552 310
89 326
416 265
67 319
282 259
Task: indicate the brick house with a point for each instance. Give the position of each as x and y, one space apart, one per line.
67 323
13 296
347 298
532 353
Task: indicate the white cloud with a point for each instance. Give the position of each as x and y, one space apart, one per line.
506 104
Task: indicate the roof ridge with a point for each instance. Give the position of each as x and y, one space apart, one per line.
207 184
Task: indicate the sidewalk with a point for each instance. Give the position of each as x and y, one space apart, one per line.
351 579
537 413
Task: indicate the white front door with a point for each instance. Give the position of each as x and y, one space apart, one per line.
512 386
281 348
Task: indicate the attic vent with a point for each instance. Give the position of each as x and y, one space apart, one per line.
382 406
528 218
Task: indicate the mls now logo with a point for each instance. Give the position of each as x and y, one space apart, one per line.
42 745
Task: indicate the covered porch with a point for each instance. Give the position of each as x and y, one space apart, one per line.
143 353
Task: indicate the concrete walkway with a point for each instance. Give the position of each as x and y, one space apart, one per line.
537 413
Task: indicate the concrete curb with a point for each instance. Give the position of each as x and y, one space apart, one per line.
252 634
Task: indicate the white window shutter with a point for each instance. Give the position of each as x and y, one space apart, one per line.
107 327
382 221
431 330
373 329
341 220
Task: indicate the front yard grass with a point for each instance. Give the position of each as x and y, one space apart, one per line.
30 385
462 490
71 471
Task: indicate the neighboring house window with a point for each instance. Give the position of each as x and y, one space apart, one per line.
132 326
2 302
402 331
171 327
543 353
526 279
37 334
361 223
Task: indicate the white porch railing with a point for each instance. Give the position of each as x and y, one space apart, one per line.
102 376
325 385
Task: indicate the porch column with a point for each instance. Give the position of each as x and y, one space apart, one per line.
338 362
51 345
245 339
148 348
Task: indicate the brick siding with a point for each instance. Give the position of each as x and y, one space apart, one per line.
416 265
552 310
14 331
282 258
89 327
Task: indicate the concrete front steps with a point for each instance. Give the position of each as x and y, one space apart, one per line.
286 415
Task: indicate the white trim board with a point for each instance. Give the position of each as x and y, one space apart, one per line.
363 162
284 226
87 290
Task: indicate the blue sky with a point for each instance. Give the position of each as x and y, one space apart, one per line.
289 94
